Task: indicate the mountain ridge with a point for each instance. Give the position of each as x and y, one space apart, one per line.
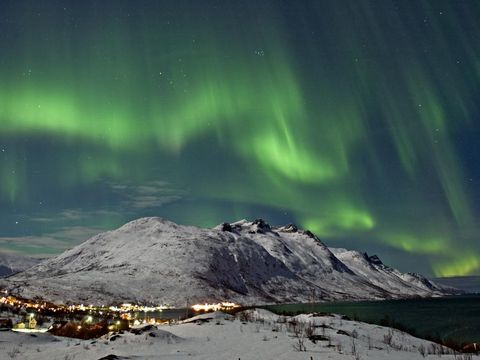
153 260
11 263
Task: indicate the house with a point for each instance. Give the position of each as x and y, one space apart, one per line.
32 323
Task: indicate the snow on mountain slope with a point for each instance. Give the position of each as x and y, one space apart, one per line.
372 269
152 260
12 263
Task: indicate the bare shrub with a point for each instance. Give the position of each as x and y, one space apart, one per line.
276 328
422 350
13 352
369 341
353 347
437 349
329 341
299 344
309 330
245 316
388 337
298 330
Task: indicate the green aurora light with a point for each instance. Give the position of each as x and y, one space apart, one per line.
354 119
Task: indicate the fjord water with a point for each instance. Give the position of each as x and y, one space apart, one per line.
454 317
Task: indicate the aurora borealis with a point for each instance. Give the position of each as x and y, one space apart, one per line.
358 120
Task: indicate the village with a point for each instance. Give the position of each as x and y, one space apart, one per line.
90 321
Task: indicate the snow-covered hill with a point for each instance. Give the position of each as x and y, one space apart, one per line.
152 260
12 263
255 334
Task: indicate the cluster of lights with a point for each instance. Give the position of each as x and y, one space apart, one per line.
81 307
27 304
39 306
215 307
124 311
125 308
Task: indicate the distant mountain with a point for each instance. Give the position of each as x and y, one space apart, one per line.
152 260
12 263
469 284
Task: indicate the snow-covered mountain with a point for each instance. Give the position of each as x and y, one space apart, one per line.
12 263
152 260
469 284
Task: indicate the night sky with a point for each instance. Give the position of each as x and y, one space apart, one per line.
358 120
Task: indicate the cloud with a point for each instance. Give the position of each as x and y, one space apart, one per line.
73 215
130 199
149 195
49 244
38 246
66 228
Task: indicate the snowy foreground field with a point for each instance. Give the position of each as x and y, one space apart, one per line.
256 334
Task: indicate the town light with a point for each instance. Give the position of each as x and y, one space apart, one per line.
215 307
